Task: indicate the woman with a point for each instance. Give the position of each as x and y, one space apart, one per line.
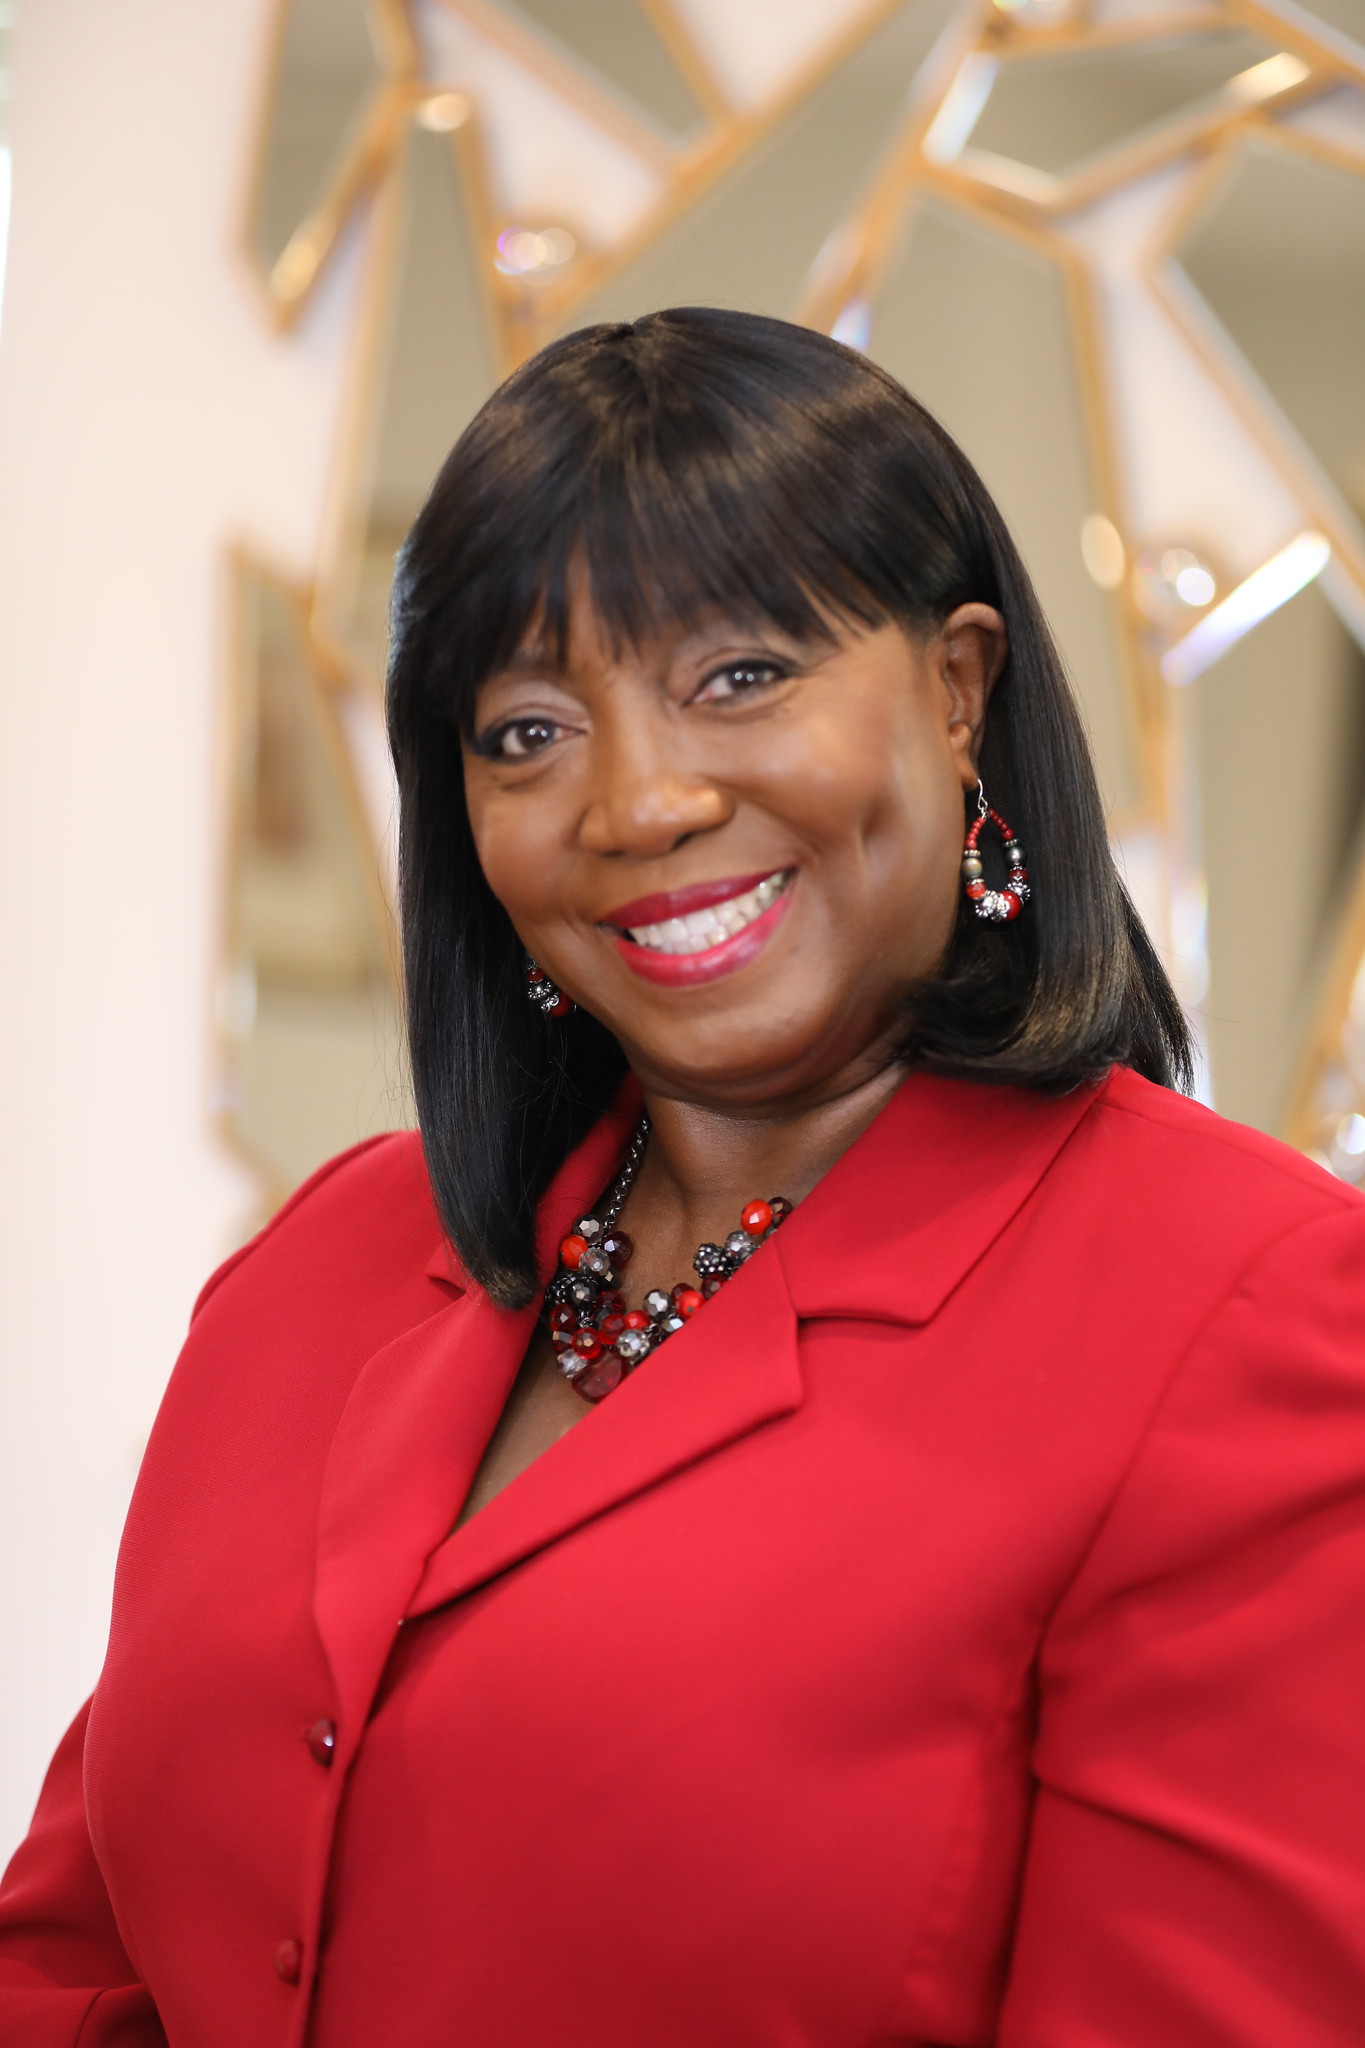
822 1504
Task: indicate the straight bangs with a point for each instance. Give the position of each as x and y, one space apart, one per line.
696 464
661 495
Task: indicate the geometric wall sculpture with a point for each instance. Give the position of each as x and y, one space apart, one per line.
1117 245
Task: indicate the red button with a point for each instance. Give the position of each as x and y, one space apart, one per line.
288 1961
322 1741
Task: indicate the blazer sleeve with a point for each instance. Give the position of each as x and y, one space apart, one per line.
65 1978
1196 1870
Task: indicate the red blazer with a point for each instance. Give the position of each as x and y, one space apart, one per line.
955 1636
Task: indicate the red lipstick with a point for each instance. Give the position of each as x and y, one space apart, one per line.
687 970
678 902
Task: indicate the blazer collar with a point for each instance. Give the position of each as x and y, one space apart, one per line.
899 1221
888 1233
413 1431
732 1370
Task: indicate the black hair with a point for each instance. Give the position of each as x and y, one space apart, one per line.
706 460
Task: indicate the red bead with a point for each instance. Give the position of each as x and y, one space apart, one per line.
601 1378
976 890
610 1327
559 1008
534 974
780 1207
610 1302
588 1344
562 1317
712 1284
635 1319
687 1300
756 1217
561 1339
571 1250
1012 905
618 1247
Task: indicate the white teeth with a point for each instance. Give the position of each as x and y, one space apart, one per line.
719 921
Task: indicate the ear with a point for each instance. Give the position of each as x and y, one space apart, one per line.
969 651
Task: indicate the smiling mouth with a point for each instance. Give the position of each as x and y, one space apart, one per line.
697 931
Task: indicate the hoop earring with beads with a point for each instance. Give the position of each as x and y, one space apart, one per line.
997 906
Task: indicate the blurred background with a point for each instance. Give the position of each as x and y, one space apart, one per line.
264 261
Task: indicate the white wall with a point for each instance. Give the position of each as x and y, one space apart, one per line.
146 417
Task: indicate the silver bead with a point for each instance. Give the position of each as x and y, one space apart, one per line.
595 1262
739 1244
633 1345
971 866
657 1303
589 1227
673 1323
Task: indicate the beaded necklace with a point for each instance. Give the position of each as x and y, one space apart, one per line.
599 1340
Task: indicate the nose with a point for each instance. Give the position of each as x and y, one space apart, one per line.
645 800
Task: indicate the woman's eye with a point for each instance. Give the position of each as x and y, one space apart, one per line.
739 679
518 739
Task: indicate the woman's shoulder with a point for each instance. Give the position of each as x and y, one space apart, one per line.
1177 1127
363 1215
1172 1141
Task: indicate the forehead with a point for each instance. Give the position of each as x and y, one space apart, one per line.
585 626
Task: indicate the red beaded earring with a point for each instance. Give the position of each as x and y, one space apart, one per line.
547 998
996 905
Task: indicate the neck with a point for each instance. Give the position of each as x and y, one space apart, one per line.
705 1161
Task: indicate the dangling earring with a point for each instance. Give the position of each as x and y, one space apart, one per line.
543 993
996 905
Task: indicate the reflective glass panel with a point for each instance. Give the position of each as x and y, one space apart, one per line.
436 369
327 73
750 240
1278 729
617 39
978 327
307 1001
1060 109
1278 254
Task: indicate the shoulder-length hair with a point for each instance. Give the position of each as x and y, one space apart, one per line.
698 460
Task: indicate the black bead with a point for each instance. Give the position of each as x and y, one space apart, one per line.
710 1259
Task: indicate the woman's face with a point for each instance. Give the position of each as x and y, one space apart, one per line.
736 850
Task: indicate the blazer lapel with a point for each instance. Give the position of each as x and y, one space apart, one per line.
889 1232
405 1452
729 1372
900 1220
412 1433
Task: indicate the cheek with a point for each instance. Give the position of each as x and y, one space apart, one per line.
513 838
876 795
